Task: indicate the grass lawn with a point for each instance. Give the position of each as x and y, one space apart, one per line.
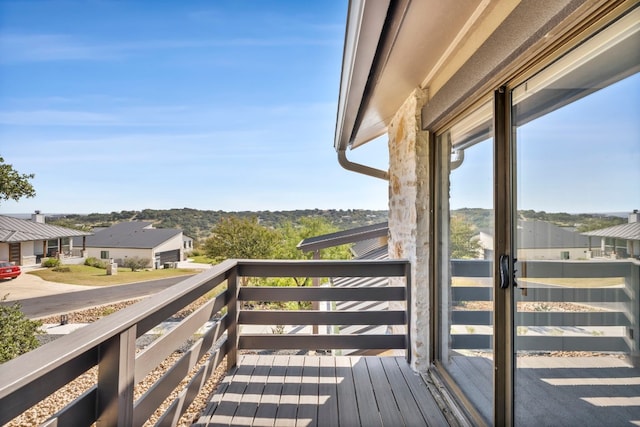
91 276
202 259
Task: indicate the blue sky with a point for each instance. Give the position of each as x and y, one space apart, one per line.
581 158
222 105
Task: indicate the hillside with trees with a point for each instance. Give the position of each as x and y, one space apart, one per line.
483 218
199 223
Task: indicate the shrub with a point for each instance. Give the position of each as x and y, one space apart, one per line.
95 262
51 262
17 333
136 263
62 269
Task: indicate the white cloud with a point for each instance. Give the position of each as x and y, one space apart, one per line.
16 48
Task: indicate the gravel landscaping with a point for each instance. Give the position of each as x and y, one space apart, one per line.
55 402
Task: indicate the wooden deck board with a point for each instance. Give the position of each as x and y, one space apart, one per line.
327 393
387 405
308 404
322 391
347 403
410 412
288 407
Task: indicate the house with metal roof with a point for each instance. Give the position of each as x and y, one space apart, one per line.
542 240
619 241
26 242
136 239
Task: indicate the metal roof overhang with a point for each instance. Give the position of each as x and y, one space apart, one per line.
391 48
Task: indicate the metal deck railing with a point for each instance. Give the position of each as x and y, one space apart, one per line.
213 332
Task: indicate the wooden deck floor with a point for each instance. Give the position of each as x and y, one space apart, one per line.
322 391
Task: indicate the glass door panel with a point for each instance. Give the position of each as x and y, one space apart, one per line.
467 220
577 236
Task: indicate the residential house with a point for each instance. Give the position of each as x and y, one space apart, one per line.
619 241
541 240
26 242
500 105
136 239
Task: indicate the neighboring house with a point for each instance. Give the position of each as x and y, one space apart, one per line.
136 239
26 242
480 101
542 240
187 244
619 241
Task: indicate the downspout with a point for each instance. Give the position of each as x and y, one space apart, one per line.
359 168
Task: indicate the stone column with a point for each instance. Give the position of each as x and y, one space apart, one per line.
409 232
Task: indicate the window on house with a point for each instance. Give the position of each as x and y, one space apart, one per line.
104 254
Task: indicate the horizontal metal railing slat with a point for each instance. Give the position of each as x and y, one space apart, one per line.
279 294
315 317
163 346
147 404
80 411
317 342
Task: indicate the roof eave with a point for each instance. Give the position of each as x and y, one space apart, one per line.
365 23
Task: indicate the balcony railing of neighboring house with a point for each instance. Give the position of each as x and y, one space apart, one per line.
610 306
110 343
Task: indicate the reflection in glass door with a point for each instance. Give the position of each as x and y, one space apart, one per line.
578 236
466 293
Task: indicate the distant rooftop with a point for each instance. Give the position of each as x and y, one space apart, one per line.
343 237
23 230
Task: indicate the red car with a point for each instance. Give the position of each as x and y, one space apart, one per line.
8 270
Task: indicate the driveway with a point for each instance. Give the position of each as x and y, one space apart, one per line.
40 298
31 286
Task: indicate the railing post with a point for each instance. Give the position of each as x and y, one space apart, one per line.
632 283
116 370
315 305
233 286
407 282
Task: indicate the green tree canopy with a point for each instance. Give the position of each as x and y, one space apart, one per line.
14 185
463 242
240 238
291 234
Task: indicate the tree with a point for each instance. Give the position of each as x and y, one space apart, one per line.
240 238
14 185
17 333
293 233
463 242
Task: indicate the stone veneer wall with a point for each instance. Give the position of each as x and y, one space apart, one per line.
409 214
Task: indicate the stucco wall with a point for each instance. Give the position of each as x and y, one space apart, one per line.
409 214
171 245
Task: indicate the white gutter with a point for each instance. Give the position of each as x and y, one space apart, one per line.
359 168
365 21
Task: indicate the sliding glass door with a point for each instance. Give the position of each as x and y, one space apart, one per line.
538 265
577 145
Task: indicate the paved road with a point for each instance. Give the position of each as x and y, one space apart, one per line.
60 303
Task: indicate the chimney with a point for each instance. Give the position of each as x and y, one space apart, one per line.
634 216
37 217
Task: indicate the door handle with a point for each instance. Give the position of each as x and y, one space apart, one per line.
504 271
